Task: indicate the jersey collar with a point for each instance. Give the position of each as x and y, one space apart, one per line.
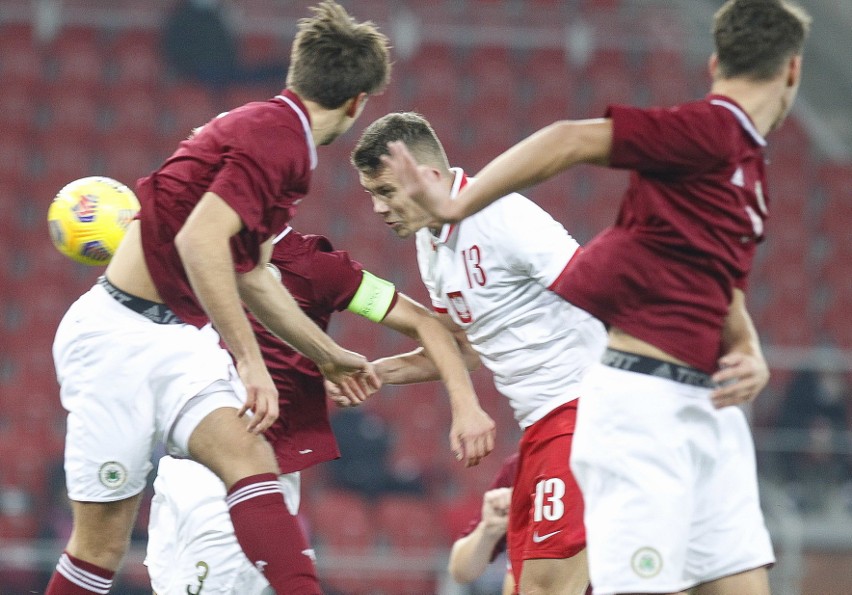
742 117
459 182
291 99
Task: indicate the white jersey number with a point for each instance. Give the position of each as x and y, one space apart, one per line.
548 499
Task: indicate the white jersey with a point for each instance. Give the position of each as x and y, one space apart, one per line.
491 273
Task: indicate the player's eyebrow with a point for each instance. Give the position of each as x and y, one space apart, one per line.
383 189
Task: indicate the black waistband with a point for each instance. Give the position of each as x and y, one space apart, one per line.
159 313
643 364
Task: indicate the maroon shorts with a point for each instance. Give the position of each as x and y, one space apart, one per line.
546 516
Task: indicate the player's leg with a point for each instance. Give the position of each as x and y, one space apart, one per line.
552 546
247 466
730 547
565 576
750 582
99 541
632 458
108 440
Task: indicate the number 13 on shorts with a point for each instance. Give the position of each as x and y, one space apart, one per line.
548 503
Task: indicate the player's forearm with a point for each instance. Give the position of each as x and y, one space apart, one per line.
273 305
739 333
406 368
535 159
209 267
440 346
471 554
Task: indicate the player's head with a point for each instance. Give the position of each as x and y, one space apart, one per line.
761 41
337 62
401 213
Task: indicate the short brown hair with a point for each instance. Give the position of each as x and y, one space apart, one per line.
334 58
411 128
755 37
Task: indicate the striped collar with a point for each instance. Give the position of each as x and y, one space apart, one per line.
294 102
742 117
459 182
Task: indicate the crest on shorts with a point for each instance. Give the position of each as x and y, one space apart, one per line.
112 475
646 562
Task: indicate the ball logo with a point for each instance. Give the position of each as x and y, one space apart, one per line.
84 209
113 475
647 562
96 251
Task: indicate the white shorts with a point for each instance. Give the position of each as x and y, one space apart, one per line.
191 541
126 382
669 484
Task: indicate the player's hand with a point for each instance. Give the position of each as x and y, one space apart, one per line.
740 378
472 435
261 395
347 364
425 189
353 391
495 510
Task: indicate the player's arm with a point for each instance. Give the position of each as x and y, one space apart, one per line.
743 371
416 366
203 244
273 305
471 554
472 431
541 156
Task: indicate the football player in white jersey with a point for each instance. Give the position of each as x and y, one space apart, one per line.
488 276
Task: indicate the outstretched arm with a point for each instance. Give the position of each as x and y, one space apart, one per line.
541 156
743 371
472 432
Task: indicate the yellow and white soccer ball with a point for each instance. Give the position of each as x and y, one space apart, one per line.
88 218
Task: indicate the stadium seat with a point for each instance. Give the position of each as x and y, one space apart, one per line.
78 59
21 60
18 111
187 106
339 521
73 113
133 113
15 158
409 523
135 60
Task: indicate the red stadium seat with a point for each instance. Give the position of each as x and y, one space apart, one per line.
134 113
187 107
73 112
21 60
79 58
339 521
411 523
135 60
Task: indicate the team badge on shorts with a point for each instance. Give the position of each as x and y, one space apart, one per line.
646 562
112 475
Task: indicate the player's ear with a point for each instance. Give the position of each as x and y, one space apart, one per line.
356 104
794 71
713 65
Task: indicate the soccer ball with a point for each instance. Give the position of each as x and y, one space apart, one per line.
88 218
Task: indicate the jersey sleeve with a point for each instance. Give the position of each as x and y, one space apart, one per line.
424 256
534 243
677 140
337 280
258 167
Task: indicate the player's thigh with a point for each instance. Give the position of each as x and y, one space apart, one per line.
728 534
632 459
562 576
546 515
750 582
221 442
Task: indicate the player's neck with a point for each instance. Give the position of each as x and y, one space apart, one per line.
762 101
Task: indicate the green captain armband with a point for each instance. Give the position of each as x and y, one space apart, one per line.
373 298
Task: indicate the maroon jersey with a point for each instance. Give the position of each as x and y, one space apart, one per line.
686 232
505 478
258 158
321 281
